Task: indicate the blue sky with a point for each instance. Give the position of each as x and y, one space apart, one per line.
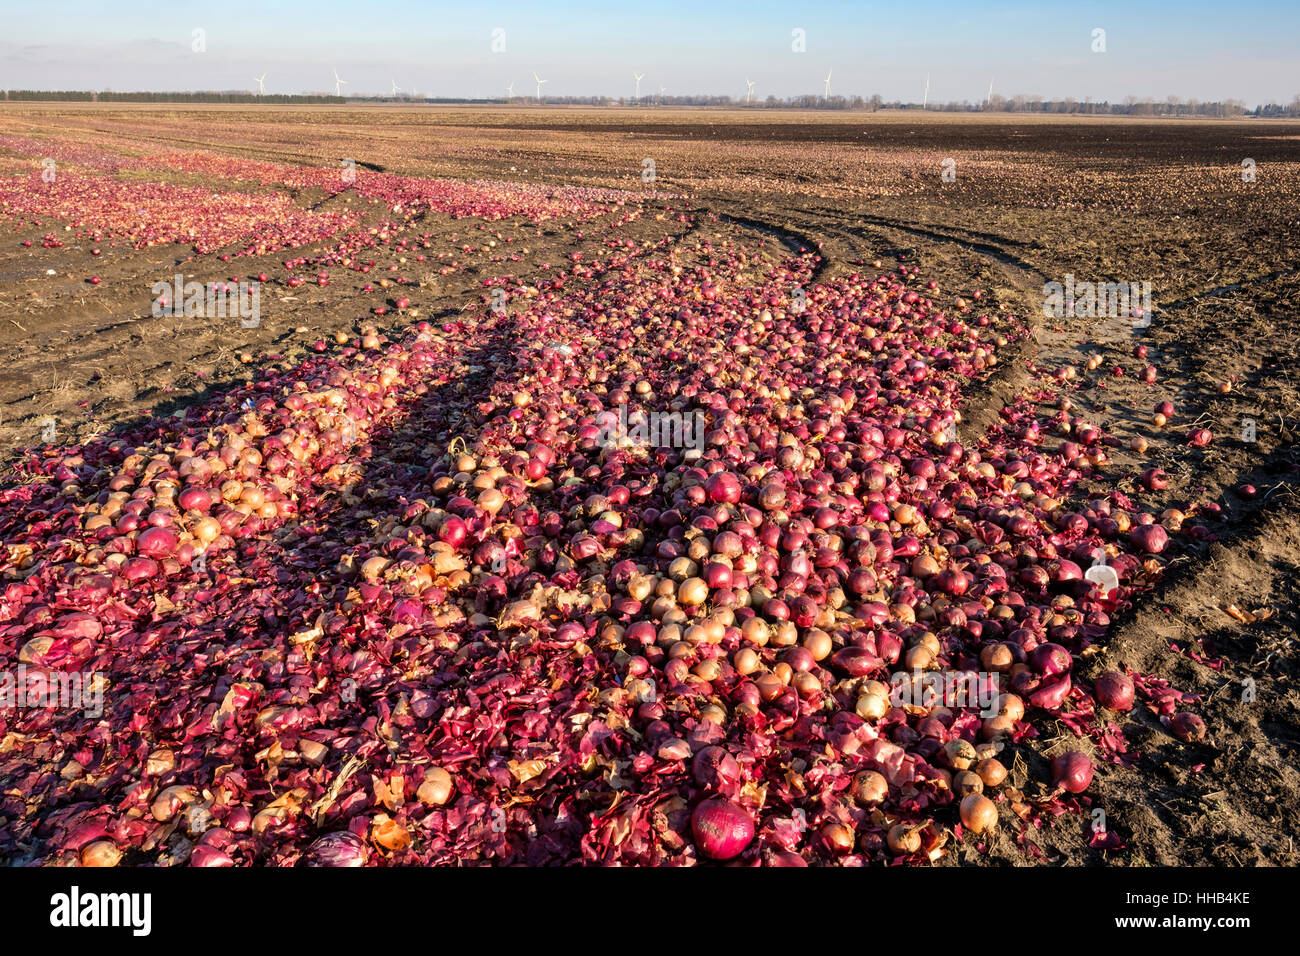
1243 50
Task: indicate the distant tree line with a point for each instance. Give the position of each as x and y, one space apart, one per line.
1277 109
1170 106
108 96
1131 105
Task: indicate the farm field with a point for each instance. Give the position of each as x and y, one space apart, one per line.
375 577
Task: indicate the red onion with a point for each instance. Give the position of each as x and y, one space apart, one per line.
157 543
453 531
1114 691
1150 538
1187 727
1064 570
1050 660
723 486
722 830
426 524
1072 770
337 849
140 569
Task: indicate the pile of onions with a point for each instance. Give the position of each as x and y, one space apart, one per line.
434 555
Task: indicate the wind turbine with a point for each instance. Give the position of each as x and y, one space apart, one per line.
637 77
510 91
396 89
540 81
826 90
926 99
338 84
662 90
261 90
989 99
749 92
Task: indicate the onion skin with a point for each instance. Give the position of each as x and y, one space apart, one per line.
208 856
713 767
436 788
721 829
1051 694
784 858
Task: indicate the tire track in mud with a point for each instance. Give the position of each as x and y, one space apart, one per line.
795 242
1196 298
986 397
